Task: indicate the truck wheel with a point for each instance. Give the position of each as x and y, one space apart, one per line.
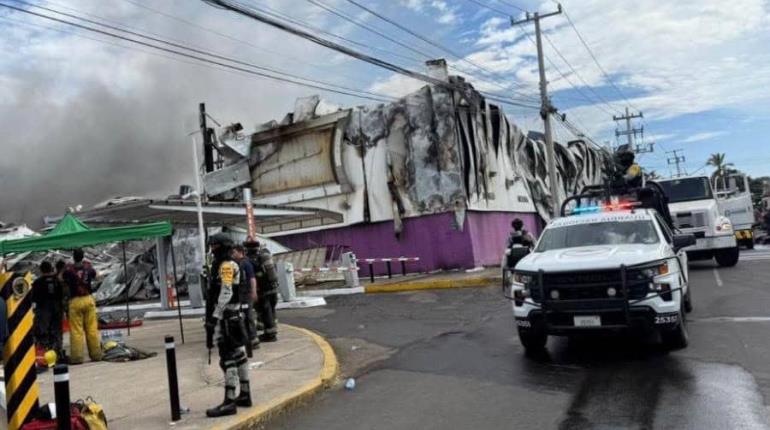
727 257
688 301
750 243
533 340
679 337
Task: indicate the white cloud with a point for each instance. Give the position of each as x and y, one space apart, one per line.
682 57
697 137
396 86
440 9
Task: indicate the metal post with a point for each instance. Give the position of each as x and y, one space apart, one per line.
403 267
61 388
176 289
371 272
173 383
199 208
125 278
390 271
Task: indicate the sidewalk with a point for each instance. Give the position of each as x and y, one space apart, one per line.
135 394
431 281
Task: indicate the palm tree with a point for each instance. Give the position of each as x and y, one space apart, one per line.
717 160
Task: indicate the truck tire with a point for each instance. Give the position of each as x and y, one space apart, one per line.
533 340
727 257
688 301
750 243
679 337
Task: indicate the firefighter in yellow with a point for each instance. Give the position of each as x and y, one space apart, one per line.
227 324
84 326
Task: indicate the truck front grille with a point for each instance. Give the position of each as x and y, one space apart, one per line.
591 285
690 219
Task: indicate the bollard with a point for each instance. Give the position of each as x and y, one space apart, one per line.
173 384
390 271
403 267
371 272
61 388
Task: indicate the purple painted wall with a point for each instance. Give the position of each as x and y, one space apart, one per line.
429 237
489 233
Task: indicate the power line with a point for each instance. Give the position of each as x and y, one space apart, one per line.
349 92
391 39
521 9
486 6
590 88
423 38
596 61
555 67
233 38
198 51
251 13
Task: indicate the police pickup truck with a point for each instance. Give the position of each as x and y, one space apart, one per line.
605 267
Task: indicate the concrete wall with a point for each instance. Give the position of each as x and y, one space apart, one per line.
430 237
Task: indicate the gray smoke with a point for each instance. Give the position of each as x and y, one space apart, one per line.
105 121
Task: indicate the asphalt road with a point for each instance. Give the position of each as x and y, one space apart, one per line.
451 359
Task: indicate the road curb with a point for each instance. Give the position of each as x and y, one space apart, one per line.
439 284
326 378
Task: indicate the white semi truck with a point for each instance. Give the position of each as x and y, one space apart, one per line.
696 210
734 197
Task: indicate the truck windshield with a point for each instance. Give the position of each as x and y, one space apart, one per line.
688 189
598 233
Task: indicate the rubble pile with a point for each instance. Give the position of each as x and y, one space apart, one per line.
108 262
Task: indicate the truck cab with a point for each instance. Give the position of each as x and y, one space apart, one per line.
696 210
734 197
606 267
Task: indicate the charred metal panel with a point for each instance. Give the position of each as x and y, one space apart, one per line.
227 178
300 156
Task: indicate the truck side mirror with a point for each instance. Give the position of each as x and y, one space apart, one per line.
683 241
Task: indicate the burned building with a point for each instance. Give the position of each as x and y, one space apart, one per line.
438 174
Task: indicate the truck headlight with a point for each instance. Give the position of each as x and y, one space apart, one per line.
723 225
520 279
656 270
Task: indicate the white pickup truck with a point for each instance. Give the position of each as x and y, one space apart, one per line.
603 269
695 209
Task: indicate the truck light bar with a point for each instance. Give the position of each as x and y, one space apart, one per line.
609 207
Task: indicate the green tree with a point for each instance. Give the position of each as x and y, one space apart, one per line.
722 169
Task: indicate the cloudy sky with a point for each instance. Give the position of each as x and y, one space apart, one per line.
86 116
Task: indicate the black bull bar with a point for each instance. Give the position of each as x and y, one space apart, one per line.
548 306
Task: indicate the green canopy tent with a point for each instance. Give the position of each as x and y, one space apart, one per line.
72 233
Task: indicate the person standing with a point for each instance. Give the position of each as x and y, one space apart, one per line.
267 289
48 298
248 292
519 235
227 325
84 326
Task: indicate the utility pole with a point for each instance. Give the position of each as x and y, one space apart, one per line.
546 108
644 148
208 146
629 132
677 160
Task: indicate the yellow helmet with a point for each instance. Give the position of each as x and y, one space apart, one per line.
50 358
110 344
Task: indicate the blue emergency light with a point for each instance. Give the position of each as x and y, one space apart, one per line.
605 208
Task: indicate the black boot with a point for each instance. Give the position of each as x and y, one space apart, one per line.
227 407
266 338
244 399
